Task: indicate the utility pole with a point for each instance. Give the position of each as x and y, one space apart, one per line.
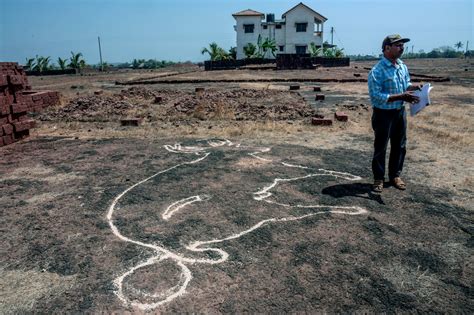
332 35
100 55
467 46
412 46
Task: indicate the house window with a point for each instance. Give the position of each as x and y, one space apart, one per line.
265 27
278 26
300 49
282 48
248 28
301 27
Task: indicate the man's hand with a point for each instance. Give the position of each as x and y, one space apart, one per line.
406 97
415 87
409 97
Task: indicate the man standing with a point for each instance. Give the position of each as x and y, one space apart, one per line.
389 87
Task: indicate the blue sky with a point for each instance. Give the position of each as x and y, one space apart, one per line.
178 29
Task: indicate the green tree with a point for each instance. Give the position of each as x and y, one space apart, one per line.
215 52
314 50
458 45
269 45
62 63
41 63
76 62
338 52
233 52
30 63
250 50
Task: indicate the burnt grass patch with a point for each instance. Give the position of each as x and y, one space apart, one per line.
327 262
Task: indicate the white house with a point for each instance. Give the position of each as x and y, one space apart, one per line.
297 28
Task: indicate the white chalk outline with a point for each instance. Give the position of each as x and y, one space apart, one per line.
162 253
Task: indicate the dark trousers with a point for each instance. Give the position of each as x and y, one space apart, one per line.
389 124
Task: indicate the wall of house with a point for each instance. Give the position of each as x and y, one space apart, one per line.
286 36
293 38
244 38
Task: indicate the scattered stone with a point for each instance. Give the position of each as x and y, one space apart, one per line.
131 122
321 121
341 116
98 92
357 74
320 97
316 89
294 87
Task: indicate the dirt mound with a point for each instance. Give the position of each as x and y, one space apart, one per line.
138 91
90 108
157 105
242 105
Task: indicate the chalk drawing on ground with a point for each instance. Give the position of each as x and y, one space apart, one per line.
161 253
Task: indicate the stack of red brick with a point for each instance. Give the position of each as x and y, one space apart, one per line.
16 100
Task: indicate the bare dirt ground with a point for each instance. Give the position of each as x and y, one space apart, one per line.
229 200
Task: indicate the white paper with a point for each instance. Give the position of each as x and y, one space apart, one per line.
424 96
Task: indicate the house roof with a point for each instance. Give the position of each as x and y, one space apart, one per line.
248 12
319 16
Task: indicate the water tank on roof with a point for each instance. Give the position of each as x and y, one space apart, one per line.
270 17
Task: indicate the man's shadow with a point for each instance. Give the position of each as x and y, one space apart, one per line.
359 190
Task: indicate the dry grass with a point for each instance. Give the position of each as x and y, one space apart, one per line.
22 289
420 283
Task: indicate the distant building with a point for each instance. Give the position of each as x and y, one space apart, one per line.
297 28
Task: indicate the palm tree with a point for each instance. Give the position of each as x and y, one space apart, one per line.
338 52
269 45
250 50
76 62
30 63
62 63
314 50
458 45
215 52
233 52
42 63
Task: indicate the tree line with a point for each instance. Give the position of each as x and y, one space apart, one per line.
440 52
264 48
41 63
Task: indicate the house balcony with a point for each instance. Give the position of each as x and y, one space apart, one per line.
318 34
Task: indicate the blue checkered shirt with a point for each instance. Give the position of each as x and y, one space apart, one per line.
385 79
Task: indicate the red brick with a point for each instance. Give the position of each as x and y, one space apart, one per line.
341 116
321 121
8 139
37 108
3 121
7 129
37 96
1 142
16 80
18 108
4 110
3 80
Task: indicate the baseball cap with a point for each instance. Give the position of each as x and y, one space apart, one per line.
392 39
